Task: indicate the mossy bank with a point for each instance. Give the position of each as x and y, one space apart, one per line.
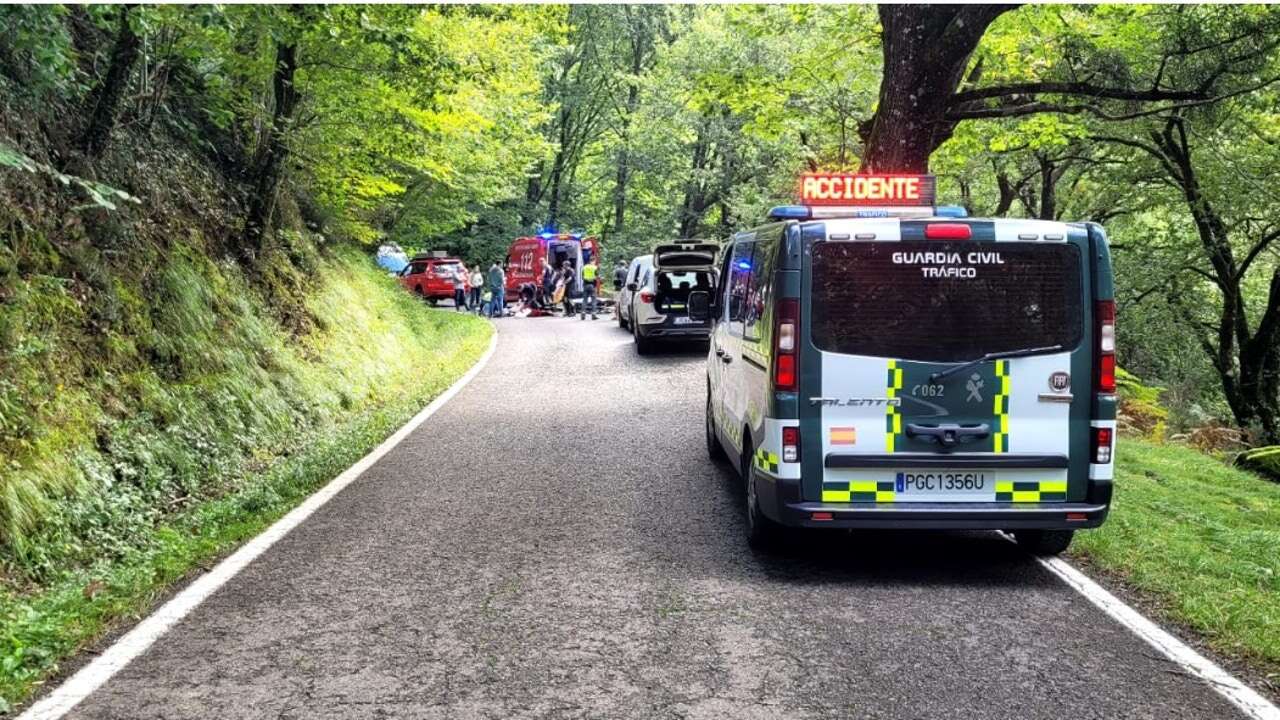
200 414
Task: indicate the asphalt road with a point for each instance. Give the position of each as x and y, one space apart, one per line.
555 543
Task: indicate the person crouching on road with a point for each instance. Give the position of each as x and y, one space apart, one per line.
477 287
460 287
589 287
497 284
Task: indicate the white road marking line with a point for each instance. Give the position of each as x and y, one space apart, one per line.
1252 704
92 676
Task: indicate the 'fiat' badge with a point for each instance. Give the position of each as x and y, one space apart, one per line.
1060 381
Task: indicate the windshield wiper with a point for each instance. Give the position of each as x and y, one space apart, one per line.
1003 355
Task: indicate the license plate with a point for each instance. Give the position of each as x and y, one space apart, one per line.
684 320
951 485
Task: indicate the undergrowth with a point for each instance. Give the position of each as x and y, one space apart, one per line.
192 421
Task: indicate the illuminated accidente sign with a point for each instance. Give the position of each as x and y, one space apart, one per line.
848 189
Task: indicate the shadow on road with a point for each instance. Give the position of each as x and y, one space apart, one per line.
859 557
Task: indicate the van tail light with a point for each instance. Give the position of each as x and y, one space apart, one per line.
786 343
790 444
646 296
1105 312
1102 445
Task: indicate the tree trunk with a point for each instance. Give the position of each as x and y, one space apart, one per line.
108 94
926 50
1048 188
624 156
557 168
641 42
694 205
1008 193
270 161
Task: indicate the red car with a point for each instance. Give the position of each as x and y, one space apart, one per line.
430 277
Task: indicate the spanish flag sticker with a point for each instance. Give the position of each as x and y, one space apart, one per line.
843 436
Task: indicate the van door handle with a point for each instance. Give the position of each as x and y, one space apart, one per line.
719 351
950 435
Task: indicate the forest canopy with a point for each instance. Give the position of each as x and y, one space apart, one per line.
461 127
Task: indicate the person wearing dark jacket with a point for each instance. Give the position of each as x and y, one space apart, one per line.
568 278
497 285
619 275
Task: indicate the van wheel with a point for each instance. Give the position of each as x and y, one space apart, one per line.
621 323
762 533
1044 542
714 449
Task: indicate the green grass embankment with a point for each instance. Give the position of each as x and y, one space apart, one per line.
1203 540
134 458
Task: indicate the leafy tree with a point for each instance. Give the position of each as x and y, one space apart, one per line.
931 81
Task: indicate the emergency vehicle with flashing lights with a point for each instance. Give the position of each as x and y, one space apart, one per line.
524 259
877 361
430 275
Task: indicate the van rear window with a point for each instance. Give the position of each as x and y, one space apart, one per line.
943 301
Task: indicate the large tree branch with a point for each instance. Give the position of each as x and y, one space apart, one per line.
1261 245
1073 88
1036 107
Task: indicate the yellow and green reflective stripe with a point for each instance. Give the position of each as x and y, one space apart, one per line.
1031 491
767 461
892 418
1001 407
858 491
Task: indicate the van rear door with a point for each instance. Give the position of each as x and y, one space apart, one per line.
685 256
945 368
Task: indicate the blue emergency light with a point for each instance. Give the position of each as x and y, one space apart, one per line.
549 232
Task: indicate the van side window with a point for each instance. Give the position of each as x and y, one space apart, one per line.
760 287
740 277
722 283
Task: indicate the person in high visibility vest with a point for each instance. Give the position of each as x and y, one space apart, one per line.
589 272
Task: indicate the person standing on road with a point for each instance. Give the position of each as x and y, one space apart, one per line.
497 284
460 287
619 275
548 281
589 288
477 287
567 279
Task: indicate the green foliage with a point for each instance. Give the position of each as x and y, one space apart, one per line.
1141 410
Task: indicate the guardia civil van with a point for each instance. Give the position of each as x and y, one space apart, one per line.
880 362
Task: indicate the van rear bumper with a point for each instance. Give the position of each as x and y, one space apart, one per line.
780 500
